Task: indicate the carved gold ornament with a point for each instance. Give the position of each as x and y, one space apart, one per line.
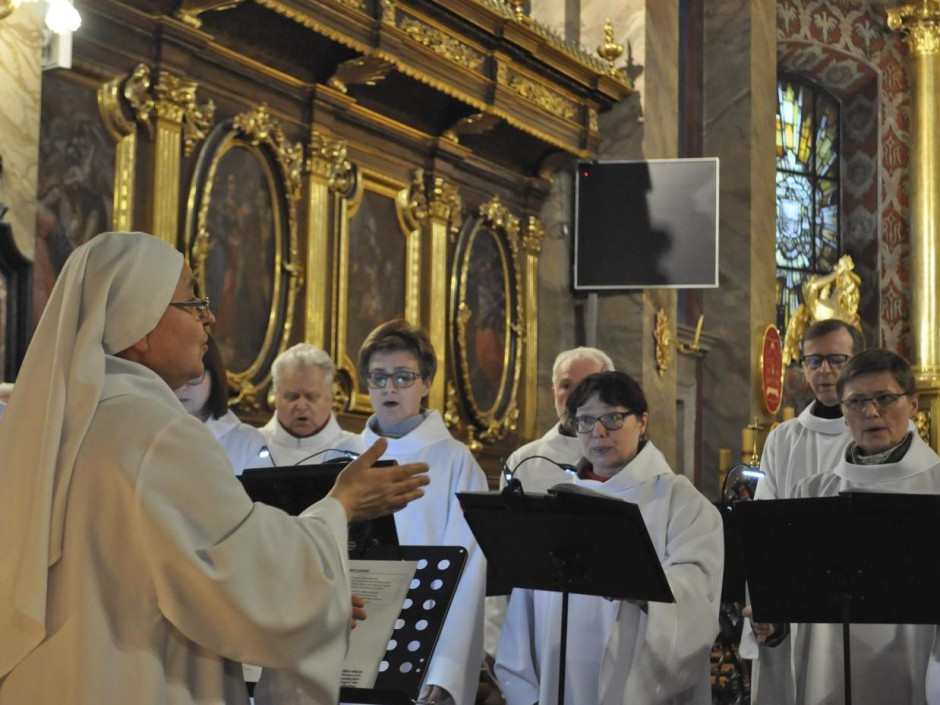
366 71
540 94
610 50
476 124
919 22
662 341
922 423
442 43
190 10
259 127
833 295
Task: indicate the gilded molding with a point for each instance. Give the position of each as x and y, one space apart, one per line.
442 43
124 133
329 160
532 236
919 24
444 204
366 70
662 340
359 5
388 12
541 95
497 215
258 126
137 94
592 120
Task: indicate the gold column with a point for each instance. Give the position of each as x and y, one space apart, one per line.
178 125
919 24
532 248
331 173
124 133
444 220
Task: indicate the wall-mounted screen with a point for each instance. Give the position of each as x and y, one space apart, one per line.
646 224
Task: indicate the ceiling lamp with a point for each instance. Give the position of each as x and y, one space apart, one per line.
61 15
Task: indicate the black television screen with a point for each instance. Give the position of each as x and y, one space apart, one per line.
646 224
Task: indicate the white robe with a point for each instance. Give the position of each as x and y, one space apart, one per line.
536 475
889 661
242 443
793 451
437 520
289 450
617 654
170 576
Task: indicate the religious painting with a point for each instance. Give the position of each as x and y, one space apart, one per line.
242 241
487 324
374 260
75 177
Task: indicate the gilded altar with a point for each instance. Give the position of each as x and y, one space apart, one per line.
325 166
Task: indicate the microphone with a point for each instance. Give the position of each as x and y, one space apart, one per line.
509 475
350 454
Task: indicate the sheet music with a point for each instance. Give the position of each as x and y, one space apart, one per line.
383 585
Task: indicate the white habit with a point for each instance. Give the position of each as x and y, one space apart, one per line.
133 566
618 654
536 475
889 661
437 520
794 450
289 450
241 442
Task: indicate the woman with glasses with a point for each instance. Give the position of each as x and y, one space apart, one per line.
206 398
879 400
398 364
624 652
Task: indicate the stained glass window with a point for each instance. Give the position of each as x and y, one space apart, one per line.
807 189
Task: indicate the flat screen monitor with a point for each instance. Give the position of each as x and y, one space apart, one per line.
646 224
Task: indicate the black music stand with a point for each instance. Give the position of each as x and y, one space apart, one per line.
563 542
732 580
408 655
856 558
294 488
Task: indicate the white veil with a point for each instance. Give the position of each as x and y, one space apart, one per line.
111 292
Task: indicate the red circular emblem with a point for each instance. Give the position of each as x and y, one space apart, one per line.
771 370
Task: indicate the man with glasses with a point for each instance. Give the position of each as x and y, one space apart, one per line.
303 427
809 444
891 663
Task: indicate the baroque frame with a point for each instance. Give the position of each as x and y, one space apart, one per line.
488 419
281 162
351 396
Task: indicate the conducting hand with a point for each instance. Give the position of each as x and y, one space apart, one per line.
762 630
366 492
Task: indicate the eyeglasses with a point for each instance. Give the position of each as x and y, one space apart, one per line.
611 421
857 405
200 306
402 379
814 362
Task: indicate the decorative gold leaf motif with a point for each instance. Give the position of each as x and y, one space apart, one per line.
366 70
476 124
441 43
662 339
549 100
919 24
137 94
190 10
922 422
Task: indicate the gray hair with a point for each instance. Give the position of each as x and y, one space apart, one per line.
301 357
566 357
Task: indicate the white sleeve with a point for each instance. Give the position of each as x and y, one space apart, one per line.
673 655
516 670
767 485
244 580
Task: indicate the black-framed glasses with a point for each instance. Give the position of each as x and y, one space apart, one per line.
611 421
401 379
200 306
857 405
836 361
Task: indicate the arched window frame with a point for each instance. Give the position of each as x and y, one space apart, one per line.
821 211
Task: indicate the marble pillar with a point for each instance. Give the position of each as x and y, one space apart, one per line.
738 103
